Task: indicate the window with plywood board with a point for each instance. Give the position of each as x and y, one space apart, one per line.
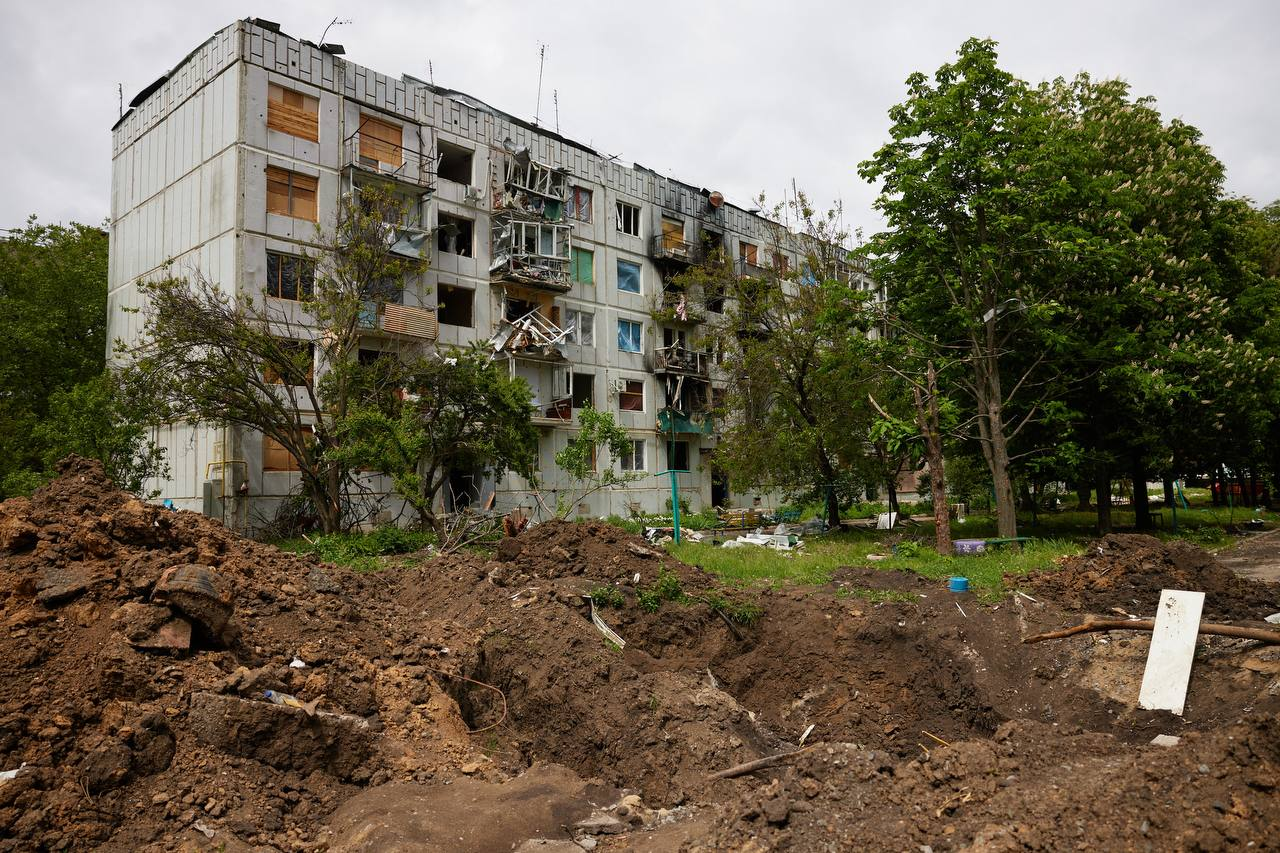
293 113
381 142
291 194
275 457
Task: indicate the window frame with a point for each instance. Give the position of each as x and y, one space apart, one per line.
459 150
296 190
674 451
639 276
632 389
576 336
575 253
577 397
291 465
635 451
639 335
301 121
442 236
625 210
303 286
573 207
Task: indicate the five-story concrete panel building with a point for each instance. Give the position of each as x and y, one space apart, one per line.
553 253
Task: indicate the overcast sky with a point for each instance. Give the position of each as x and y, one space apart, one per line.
740 97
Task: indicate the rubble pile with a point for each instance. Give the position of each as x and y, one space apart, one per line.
1128 571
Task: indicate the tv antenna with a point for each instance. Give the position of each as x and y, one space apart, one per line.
120 94
555 96
334 23
542 58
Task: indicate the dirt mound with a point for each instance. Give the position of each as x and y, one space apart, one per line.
137 646
1127 571
1014 791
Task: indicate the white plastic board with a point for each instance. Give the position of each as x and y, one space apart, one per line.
1173 645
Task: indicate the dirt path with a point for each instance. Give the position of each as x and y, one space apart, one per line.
1257 557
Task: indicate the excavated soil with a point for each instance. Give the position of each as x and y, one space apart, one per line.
469 702
1128 571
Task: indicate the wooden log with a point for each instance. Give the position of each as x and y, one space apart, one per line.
1262 635
758 764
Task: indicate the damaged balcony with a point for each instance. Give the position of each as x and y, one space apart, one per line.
688 408
532 188
367 152
672 248
679 307
392 319
530 252
526 332
678 359
748 268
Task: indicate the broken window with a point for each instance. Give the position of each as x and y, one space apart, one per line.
289 277
583 390
678 455
631 397
584 265
581 326
454 305
275 457
579 205
293 113
513 309
295 364
628 336
381 143
628 219
291 194
541 239
453 162
455 235
628 276
633 456
672 233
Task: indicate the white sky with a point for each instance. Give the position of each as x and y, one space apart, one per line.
739 96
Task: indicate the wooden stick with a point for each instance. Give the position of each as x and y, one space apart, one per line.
758 764
1263 635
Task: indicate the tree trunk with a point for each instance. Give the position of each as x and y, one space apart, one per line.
891 489
995 446
1103 488
833 508
928 421
1141 505
1169 496
1082 496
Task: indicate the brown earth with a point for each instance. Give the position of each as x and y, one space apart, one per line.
1128 571
469 702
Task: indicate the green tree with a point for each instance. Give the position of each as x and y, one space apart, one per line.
462 413
231 359
580 458
53 292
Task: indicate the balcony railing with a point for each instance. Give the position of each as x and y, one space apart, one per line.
388 160
404 321
748 269
671 421
533 271
559 412
669 248
680 359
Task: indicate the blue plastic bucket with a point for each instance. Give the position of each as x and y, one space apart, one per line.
958 584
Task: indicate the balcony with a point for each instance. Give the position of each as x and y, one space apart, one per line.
677 307
697 423
559 413
676 359
531 252
531 337
669 247
747 268
399 321
388 160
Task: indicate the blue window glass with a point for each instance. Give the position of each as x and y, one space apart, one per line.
628 336
628 277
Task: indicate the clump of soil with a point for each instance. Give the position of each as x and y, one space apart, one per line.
1015 791
137 645
1128 571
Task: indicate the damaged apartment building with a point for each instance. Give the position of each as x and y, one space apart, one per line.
558 258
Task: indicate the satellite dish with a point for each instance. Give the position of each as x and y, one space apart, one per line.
716 200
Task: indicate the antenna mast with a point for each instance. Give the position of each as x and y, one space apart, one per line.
555 97
542 57
120 93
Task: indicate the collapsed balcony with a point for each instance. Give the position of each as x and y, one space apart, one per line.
530 252
532 188
688 406
527 332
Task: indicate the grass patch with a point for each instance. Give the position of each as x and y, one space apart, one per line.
985 571
361 552
741 612
608 596
875 596
666 588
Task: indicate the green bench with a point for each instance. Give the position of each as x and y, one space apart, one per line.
1012 540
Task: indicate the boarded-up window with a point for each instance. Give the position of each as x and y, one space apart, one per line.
291 194
672 233
454 305
631 397
275 457
381 142
781 263
584 263
749 252
293 113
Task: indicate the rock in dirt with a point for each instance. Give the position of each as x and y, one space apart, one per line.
281 736
152 626
58 584
200 593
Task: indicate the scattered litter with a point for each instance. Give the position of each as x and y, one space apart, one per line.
1166 740
776 541
806 734
886 520
711 679
958 584
297 663
1173 645
1027 597
935 737
605 629
874 557
288 701
6 775
207 831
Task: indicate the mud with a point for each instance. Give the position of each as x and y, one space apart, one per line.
1128 571
469 702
